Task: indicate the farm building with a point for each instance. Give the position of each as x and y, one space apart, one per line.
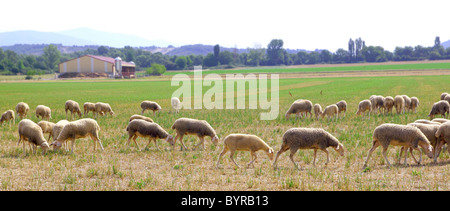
97 64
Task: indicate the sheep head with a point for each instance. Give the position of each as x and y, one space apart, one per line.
215 140
170 140
270 153
340 149
56 145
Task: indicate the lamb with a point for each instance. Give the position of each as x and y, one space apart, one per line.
342 105
388 104
73 107
298 107
145 129
441 108
414 104
7 116
308 138
22 109
102 109
443 95
317 110
399 135
443 136
150 105
78 129
201 128
399 103
407 102
364 105
176 104
88 106
31 132
244 142
137 116
47 127
330 111
44 112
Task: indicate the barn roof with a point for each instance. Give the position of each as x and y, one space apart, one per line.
110 60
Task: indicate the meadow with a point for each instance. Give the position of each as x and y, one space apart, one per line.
122 167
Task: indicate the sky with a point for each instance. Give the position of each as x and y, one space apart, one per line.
318 24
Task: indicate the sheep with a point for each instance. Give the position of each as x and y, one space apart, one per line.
443 136
298 107
443 95
44 112
330 111
145 129
447 98
441 108
88 106
150 105
102 109
47 127
342 105
399 103
31 132
388 104
399 135
22 109
176 104
440 120
137 116
57 128
201 128
429 130
244 142
407 102
317 110
426 121
73 107
78 129
363 106
377 103
414 104
7 116
308 138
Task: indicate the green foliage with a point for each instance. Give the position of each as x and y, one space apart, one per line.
51 57
181 62
156 69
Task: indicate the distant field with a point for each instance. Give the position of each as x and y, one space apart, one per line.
121 167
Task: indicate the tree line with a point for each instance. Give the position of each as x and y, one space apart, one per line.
274 54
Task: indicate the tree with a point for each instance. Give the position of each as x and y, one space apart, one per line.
216 52
102 50
351 49
156 69
225 57
374 54
209 60
181 62
51 57
437 42
275 53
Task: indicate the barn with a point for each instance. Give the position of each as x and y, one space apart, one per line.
97 64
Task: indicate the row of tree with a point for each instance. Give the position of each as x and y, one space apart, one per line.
274 54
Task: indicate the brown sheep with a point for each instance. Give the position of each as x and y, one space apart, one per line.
150 105
73 107
201 128
145 129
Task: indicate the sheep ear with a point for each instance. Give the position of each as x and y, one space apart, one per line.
270 151
338 146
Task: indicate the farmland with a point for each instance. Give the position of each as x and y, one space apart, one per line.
122 167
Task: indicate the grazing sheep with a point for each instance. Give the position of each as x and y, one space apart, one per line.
7 116
440 120
399 135
388 104
299 107
102 109
44 112
201 128
150 105
377 102
78 129
73 107
414 104
407 102
88 106
399 103
31 132
176 104
47 127
330 111
447 98
145 129
426 121
57 128
317 110
137 116
342 105
443 136
443 95
308 138
363 106
22 109
429 130
244 142
441 108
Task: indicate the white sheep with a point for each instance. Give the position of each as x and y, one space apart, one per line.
388 104
447 98
7 116
363 106
407 102
414 104
429 130
176 104
31 132
244 142
22 109
308 138
201 128
78 129
299 107
331 111
377 102
399 135
73 107
150 105
102 109
440 120
342 105
137 116
443 95
442 107
317 110
442 136
57 128
399 103
152 131
88 106
47 127
44 112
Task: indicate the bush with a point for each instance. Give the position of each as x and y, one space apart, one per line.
156 69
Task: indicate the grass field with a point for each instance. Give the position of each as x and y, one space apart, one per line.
122 167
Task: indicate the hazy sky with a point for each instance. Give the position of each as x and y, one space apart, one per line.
322 24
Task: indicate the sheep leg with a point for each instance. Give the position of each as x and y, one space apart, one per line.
437 151
412 154
202 142
328 155
374 146
231 157
282 149
291 156
182 143
406 155
385 156
314 158
225 150
254 158
142 112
